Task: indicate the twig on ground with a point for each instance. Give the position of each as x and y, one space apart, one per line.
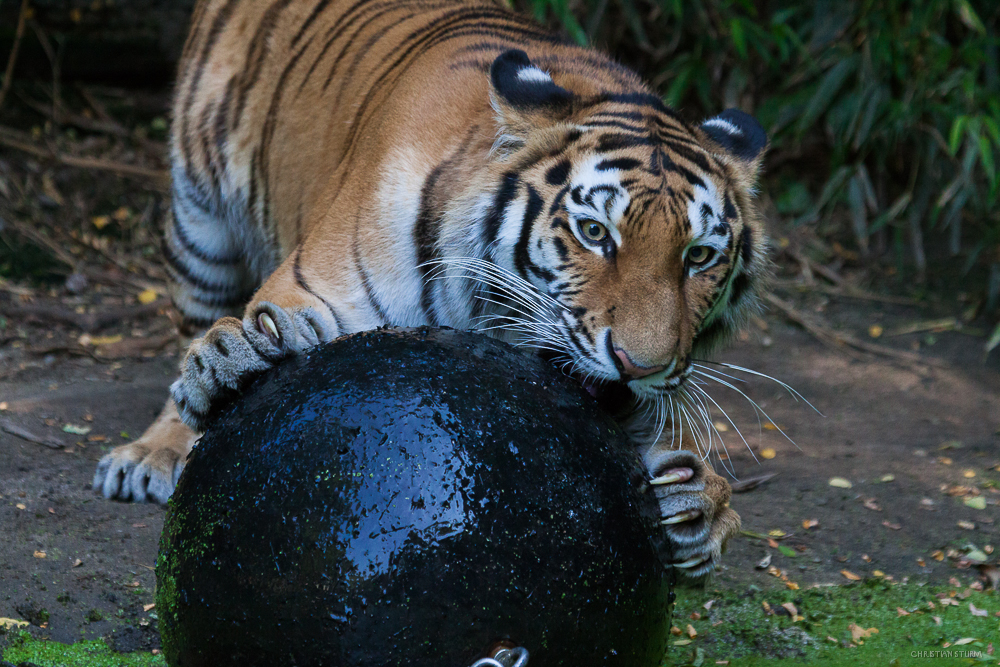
842 341
66 348
160 178
87 322
65 117
46 440
845 292
8 78
32 234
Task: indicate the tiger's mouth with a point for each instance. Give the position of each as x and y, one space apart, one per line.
612 396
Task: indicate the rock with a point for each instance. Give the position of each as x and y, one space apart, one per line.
412 498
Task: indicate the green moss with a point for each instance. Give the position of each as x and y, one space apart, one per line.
737 627
44 653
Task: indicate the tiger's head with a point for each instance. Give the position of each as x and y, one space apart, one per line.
636 229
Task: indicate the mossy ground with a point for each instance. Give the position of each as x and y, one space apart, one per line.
738 628
95 653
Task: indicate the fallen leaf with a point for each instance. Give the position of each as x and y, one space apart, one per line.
122 214
708 605
964 640
791 585
948 601
901 612
872 504
767 608
850 575
967 525
771 543
840 483
676 631
39 554
969 474
682 642
764 562
937 620
921 562
857 632
891 526
790 608
988 548
76 430
938 555
132 584
975 555
691 632
8 623
100 221
926 503
875 330
975 611
810 523
21 506
944 460
976 503
878 573
147 296
77 563
768 453
777 532
3 405
787 551
695 616
149 607
887 478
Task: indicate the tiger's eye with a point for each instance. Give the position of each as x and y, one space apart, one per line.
593 230
700 255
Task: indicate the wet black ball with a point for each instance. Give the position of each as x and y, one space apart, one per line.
412 498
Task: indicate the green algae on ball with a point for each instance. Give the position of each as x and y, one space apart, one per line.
412 498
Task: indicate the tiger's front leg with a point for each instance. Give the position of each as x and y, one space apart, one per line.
233 352
694 504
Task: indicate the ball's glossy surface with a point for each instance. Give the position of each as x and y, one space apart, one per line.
410 498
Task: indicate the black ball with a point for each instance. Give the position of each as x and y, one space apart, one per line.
412 498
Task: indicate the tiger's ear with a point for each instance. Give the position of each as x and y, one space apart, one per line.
739 135
524 96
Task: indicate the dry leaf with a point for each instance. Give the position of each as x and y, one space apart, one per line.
891 526
887 478
969 474
975 611
691 632
100 221
675 630
967 525
840 483
77 563
8 623
964 640
777 532
791 585
764 562
901 612
790 608
767 608
878 573
921 562
148 607
21 506
875 330
937 620
872 504
810 523
858 633
976 503
147 296
768 453
682 642
938 555
850 575
39 554
76 430
944 460
708 605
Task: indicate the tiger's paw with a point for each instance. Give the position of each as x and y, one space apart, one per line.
233 352
694 504
146 471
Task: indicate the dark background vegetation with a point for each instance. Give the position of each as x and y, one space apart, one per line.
884 115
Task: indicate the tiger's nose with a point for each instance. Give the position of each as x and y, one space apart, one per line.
630 368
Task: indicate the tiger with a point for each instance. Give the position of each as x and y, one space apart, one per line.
344 165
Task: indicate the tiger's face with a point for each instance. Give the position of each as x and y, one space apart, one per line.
641 228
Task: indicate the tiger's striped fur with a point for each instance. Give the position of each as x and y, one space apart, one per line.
340 165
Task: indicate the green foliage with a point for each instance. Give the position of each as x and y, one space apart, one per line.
884 115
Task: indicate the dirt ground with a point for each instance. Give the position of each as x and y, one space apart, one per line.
77 566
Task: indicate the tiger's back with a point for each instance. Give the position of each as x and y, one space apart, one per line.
279 106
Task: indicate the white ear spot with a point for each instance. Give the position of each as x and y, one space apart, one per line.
533 75
723 125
